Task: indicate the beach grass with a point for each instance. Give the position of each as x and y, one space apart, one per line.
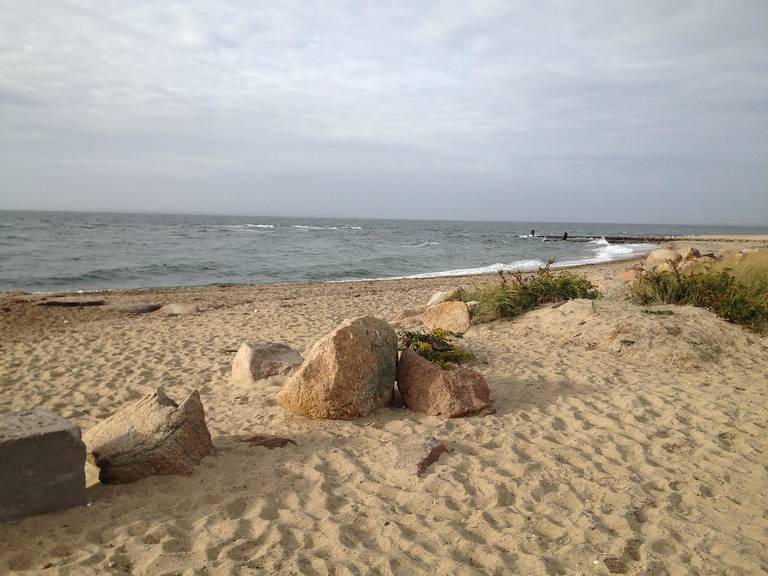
435 347
515 294
735 288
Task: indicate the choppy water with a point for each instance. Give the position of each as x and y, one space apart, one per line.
67 251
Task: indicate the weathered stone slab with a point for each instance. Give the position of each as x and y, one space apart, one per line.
42 460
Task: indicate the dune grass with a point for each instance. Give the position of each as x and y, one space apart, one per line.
516 294
435 347
735 289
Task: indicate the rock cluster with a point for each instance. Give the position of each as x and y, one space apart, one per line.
667 260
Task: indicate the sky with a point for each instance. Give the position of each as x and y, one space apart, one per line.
636 111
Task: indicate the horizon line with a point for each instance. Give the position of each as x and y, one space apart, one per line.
254 215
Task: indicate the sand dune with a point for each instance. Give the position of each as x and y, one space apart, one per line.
624 442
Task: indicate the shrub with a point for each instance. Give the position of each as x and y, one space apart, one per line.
507 299
737 292
435 347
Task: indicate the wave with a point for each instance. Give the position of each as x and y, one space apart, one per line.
308 227
245 227
422 245
519 265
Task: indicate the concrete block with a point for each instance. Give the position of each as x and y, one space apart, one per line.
42 459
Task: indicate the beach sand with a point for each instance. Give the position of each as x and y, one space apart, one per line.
624 442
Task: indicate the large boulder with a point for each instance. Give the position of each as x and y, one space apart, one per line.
151 436
42 464
348 373
450 316
661 255
445 295
427 388
257 360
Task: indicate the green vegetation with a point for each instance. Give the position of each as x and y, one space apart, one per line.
734 289
435 347
519 294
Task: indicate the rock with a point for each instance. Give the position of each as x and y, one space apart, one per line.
151 436
662 255
472 306
667 266
451 316
416 453
42 468
444 296
409 319
406 314
135 308
689 253
427 388
180 309
257 360
348 373
631 275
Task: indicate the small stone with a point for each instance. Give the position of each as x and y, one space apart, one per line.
446 295
451 316
416 454
257 360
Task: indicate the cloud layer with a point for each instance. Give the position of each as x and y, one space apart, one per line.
632 111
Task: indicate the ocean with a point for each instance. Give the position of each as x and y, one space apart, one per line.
70 252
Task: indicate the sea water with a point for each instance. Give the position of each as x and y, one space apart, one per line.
68 251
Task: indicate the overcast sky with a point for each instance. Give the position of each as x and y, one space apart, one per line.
540 110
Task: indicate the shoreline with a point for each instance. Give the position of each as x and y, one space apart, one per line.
713 244
225 285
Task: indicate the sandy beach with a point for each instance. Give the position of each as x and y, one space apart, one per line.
623 442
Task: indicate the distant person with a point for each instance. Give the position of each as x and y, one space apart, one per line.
565 235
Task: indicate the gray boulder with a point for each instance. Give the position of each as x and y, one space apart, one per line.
42 461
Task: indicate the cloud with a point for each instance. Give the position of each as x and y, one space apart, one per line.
254 106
